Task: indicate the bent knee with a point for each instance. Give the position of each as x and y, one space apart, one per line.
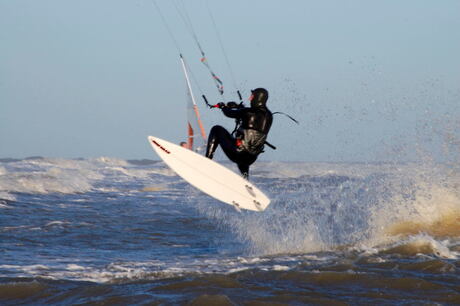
217 127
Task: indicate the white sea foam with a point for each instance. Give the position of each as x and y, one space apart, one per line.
47 176
281 268
110 161
4 197
74 267
145 269
56 223
55 175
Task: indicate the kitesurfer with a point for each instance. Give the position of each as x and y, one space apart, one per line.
247 141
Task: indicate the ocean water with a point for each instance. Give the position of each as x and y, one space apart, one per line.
106 231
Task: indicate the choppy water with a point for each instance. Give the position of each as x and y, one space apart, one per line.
107 231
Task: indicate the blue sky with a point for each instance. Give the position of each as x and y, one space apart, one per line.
368 80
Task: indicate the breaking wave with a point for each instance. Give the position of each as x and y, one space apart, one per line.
326 207
71 176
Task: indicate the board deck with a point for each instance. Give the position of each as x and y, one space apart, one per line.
210 177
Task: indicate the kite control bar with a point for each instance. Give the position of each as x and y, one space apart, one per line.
222 104
206 101
218 105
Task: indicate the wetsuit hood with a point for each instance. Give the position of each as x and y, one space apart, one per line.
260 97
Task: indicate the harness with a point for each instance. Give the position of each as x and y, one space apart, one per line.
238 122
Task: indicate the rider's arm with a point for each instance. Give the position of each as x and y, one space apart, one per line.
233 112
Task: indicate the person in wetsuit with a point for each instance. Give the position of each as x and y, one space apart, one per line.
253 125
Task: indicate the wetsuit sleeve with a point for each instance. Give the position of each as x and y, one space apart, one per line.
233 112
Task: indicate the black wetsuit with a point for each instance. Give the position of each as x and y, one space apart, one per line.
250 137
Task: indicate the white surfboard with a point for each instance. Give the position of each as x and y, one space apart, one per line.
210 177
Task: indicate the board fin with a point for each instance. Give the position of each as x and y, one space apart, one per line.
237 206
250 190
258 205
